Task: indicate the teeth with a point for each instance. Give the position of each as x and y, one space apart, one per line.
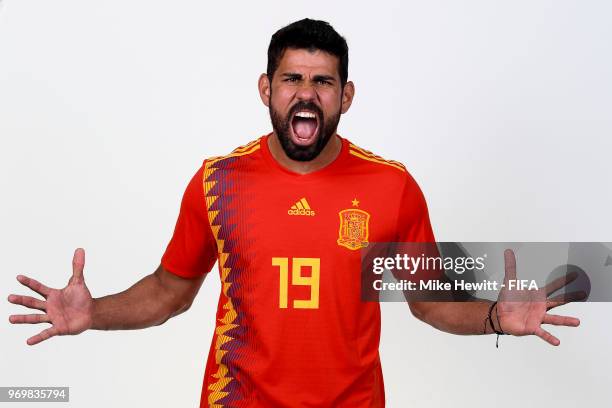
308 115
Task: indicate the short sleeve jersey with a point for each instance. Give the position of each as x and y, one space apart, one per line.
291 328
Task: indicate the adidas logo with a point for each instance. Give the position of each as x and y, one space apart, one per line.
301 208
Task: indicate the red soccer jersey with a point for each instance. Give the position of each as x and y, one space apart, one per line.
291 329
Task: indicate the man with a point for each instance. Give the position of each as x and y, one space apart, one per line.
285 216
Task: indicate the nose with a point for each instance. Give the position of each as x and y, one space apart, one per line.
306 92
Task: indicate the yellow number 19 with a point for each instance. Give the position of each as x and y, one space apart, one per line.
299 280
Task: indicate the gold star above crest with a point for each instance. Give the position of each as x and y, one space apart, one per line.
355 202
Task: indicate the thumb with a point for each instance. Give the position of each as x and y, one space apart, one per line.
510 261
78 263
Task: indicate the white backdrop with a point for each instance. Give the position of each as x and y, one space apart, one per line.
501 111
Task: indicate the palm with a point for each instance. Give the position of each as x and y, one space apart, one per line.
521 318
522 312
68 310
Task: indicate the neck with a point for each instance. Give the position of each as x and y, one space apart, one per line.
329 153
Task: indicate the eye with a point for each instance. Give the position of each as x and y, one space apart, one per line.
323 82
291 79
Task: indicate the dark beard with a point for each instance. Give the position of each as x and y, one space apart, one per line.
282 128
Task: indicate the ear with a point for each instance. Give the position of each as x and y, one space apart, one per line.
347 96
264 89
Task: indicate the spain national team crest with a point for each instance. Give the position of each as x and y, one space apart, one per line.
353 231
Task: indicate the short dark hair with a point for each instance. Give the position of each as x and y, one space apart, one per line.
311 35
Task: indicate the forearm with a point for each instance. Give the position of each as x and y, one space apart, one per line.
147 303
457 317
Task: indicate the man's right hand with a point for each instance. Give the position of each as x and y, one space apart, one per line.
69 310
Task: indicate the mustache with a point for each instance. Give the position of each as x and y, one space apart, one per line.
309 106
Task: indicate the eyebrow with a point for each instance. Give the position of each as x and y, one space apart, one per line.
315 78
324 78
292 75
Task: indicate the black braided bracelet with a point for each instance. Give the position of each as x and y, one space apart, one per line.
498 332
501 330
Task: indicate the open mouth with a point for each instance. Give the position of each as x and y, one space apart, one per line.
304 127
